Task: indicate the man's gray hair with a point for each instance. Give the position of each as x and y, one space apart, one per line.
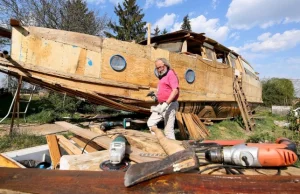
165 62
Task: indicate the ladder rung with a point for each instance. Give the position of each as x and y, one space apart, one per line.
24 101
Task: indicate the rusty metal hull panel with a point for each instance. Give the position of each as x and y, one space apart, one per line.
55 181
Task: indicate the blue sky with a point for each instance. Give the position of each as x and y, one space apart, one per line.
265 32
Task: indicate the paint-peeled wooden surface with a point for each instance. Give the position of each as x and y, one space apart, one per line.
55 181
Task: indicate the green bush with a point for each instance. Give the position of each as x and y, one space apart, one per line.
261 138
277 91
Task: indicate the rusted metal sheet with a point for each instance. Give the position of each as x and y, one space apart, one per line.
55 181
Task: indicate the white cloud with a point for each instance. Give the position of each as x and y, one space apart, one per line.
168 3
97 2
276 42
245 14
214 4
264 36
165 22
115 2
235 36
210 27
294 61
149 3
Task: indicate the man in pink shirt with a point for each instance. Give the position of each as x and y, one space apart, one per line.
167 95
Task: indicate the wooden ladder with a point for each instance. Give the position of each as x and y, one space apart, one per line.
243 104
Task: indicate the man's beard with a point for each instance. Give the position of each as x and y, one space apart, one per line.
162 74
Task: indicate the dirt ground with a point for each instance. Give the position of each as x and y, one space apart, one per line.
38 129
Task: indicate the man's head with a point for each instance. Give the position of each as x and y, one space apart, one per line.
162 66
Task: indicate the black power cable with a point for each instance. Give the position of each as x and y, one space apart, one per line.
87 143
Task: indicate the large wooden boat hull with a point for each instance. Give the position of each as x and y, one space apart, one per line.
80 65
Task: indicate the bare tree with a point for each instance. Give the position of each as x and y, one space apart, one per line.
56 14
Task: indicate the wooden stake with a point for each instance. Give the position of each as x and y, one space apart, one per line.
15 106
149 34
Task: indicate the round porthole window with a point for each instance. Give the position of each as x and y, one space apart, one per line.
190 76
118 63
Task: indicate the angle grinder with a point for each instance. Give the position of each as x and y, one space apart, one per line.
117 161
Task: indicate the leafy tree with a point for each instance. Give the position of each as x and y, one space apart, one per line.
186 25
277 91
156 31
164 31
75 16
130 27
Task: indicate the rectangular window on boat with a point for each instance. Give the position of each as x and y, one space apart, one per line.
171 46
248 69
221 57
209 51
232 60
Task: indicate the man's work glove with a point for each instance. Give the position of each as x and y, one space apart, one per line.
156 108
164 106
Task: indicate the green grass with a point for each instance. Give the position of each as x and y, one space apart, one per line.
20 141
265 130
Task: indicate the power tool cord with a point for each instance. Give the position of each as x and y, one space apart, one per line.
87 143
229 169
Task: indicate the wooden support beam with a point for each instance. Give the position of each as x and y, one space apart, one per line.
70 148
74 181
149 34
53 150
14 22
5 33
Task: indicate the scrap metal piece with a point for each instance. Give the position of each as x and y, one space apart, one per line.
181 161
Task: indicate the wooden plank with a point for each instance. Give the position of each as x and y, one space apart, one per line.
188 125
53 150
8 162
66 182
89 161
103 141
91 147
195 133
5 33
70 148
141 140
200 123
181 125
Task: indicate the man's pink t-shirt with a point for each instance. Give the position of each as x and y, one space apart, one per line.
166 85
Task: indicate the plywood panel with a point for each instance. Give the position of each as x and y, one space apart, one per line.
89 42
159 53
129 48
92 64
136 70
16 45
181 64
